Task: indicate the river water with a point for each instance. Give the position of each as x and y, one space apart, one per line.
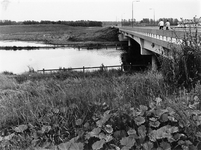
21 61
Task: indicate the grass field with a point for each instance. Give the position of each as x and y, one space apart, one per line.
58 34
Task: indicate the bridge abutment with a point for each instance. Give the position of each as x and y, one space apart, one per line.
137 55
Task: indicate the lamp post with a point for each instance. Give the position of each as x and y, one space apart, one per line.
153 12
122 20
132 10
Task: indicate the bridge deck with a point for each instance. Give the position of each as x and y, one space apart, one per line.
164 38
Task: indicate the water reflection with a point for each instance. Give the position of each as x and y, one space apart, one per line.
20 61
21 43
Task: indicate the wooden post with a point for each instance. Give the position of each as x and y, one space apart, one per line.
43 70
83 68
116 46
121 67
102 67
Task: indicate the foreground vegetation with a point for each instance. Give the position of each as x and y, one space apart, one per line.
100 110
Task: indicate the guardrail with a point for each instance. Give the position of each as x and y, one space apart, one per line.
170 36
156 32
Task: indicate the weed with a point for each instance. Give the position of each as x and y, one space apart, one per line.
183 70
130 111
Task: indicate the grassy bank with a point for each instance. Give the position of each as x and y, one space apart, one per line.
32 101
34 96
60 34
51 113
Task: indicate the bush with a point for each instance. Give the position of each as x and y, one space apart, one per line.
184 69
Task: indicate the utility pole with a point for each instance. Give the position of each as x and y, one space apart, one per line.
153 13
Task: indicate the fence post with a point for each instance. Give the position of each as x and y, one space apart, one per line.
102 67
43 70
121 67
83 68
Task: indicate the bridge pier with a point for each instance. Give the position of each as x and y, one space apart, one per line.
129 42
137 54
154 65
122 37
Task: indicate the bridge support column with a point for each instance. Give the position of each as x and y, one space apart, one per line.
129 42
154 66
122 37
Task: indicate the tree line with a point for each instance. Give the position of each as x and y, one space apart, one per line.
85 23
147 21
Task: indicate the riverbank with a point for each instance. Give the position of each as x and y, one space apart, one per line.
82 109
61 35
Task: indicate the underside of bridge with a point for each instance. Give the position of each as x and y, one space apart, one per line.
138 57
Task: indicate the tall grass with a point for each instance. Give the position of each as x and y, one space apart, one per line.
31 100
49 110
184 69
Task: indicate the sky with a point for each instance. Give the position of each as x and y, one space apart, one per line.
97 10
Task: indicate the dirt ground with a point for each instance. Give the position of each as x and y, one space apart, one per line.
61 34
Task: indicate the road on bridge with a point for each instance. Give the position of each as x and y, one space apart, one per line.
173 28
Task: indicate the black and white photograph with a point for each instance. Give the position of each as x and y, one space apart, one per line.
100 74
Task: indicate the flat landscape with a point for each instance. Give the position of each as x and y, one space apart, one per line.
100 110
60 34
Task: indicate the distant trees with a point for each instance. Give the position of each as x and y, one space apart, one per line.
81 23
7 22
173 21
148 22
125 22
88 23
85 23
145 20
30 22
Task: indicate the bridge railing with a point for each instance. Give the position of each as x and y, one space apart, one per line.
171 36
167 33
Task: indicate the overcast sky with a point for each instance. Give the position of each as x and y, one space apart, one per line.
99 10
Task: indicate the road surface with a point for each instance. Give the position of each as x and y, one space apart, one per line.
172 28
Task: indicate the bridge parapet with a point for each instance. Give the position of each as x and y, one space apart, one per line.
170 36
163 33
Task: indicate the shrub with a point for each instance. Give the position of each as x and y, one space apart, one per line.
184 69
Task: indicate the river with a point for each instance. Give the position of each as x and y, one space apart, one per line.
21 61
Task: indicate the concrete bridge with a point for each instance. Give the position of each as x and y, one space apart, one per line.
147 43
